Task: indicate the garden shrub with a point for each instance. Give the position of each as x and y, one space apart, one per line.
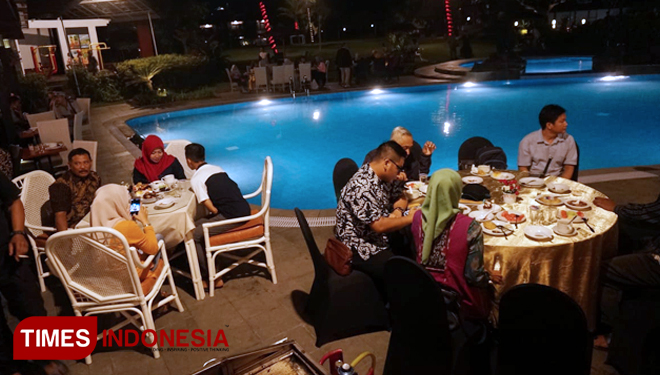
33 92
100 87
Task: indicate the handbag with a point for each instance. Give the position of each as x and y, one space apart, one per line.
338 256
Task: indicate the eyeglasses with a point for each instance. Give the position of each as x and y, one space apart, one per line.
400 169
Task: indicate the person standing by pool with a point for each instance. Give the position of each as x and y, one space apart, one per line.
156 163
219 194
418 158
370 207
344 61
551 150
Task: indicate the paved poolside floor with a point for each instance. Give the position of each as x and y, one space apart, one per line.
252 311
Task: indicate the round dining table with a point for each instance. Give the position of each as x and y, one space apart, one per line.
568 263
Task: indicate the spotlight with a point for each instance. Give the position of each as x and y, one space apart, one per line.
584 21
377 91
515 24
469 84
317 114
613 78
264 102
446 127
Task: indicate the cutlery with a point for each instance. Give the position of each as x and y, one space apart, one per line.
503 230
587 224
516 222
574 217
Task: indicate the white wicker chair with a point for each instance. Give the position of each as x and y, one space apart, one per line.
99 272
177 148
77 126
260 78
36 117
290 76
85 104
278 77
305 71
255 233
56 131
34 193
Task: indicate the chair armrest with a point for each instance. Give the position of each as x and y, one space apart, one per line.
253 194
37 227
147 262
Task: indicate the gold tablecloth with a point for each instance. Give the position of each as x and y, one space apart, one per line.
570 264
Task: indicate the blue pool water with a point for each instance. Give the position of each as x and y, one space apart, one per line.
616 123
553 65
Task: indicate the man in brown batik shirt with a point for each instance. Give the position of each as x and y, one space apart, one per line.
72 193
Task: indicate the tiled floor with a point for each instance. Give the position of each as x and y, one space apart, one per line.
252 311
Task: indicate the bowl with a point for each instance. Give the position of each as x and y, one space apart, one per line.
559 188
538 233
169 179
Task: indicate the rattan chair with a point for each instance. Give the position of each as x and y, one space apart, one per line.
255 233
34 193
99 272
177 148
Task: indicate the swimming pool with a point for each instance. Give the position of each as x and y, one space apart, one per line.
615 122
539 65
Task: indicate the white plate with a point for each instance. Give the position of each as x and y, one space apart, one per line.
570 216
414 184
423 188
472 180
567 202
559 188
466 209
570 234
479 216
500 216
165 203
541 199
538 233
501 176
149 200
497 231
495 207
532 182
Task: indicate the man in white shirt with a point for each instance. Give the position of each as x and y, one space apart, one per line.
219 194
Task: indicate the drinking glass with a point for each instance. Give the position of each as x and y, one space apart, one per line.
549 215
424 178
535 215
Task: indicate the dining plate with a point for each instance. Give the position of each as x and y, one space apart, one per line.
569 214
577 204
509 216
538 233
149 200
465 208
494 207
494 230
502 176
479 216
569 234
480 173
472 180
165 203
549 200
414 185
424 188
559 188
532 182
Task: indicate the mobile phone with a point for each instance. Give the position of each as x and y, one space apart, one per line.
135 206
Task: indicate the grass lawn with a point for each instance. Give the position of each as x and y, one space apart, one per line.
433 49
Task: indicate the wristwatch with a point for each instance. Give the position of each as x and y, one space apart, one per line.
147 225
22 232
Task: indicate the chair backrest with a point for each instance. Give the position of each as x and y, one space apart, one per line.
468 150
95 265
177 148
305 71
492 156
33 196
260 76
265 191
420 342
36 117
77 125
56 131
321 268
229 76
576 171
289 73
542 331
85 104
278 75
91 146
344 170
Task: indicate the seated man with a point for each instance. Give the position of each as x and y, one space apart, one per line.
372 205
71 195
550 149
219 194
638 223
418 159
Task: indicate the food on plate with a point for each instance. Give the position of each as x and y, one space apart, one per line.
496 174
488 204
482 172
577 203
490 225
570 214
149 195
548 199
512 218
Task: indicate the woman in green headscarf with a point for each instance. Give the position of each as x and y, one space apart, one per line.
450 245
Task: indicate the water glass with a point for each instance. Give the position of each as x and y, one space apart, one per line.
549 215
535 215
424 178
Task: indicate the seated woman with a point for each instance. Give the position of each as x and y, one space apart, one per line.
155 163
111 209
450 245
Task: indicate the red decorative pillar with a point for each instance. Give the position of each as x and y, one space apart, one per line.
144 39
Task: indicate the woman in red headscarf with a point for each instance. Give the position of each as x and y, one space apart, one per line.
155 163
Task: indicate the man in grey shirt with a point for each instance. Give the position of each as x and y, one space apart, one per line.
550 145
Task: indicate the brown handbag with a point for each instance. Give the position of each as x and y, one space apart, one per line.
338 256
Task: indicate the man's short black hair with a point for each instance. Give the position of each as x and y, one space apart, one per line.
390 150
79 151
195 152
549 114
